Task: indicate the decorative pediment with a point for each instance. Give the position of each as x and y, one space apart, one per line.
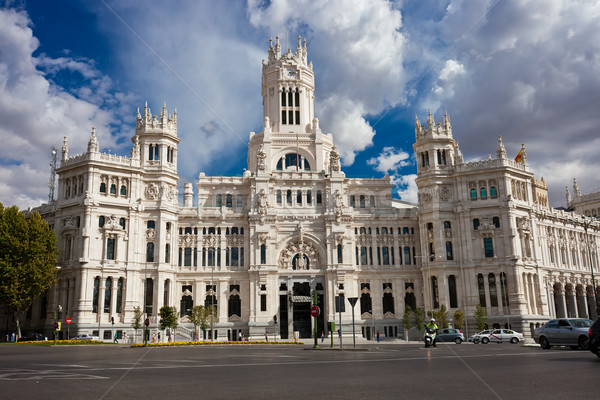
299 255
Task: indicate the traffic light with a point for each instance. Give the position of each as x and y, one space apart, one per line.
60 313
112 320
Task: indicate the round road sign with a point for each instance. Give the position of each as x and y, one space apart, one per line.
314 311
68 320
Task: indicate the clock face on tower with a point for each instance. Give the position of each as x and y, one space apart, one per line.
290 73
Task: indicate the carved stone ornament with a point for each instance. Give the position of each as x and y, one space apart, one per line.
299 256
262 203
445 193
339 203
150 234
70 222
210 240
112 222
334 160
261 157
152 192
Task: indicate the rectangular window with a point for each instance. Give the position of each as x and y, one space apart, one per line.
263 254
149 296
488 246
234 257
110 249
339 254
241 256
363 256
385 255
187 258
263 302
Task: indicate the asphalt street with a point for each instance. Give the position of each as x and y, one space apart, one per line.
375 371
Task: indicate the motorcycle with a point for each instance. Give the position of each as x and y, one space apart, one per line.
429 336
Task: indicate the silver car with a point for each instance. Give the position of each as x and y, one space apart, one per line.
563 332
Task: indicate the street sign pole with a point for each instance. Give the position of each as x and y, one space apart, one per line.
316 346
353 301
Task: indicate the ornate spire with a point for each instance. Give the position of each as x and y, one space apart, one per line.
93 143
430 121
277 47
446 122
500 151
568 195
576 191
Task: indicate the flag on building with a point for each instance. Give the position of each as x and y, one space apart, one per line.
519 156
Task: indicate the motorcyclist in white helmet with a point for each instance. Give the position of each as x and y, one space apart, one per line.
433 326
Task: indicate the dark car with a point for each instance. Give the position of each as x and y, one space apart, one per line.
32 337
450 335
594 335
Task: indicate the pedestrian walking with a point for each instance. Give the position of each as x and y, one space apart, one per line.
158 337
115 340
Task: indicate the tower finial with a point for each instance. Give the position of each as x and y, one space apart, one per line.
501 150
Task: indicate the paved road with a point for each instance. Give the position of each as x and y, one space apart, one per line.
390 371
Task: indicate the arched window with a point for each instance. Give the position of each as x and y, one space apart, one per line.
405 231
493 291
119 305
279 197
481 287
288 197
107 295
475 224
299 197
150 224
122 222
352 201
363 230
483 193
308 197
102 187
229 201
235 306
167 253
319 198
101 221
123 190
186 304
365 303
452 291
239 201
362 201
473 194
219 201
447 225
493 192
434 292
95 295
150 252
372 201
280 165
388 303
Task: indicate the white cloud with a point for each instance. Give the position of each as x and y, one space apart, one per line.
390 160
407 187
36 114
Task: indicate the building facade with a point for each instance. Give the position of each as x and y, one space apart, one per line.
259 246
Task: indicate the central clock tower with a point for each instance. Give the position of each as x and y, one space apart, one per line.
290 130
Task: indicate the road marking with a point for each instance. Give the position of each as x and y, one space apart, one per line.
29 375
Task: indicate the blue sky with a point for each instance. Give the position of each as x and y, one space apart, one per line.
528 71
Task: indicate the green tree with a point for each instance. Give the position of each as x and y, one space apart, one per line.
459 319
200 317
441 316
480 317
407 320
168 318
419 319
136 322
28 255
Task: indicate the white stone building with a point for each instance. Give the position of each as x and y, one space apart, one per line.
259 245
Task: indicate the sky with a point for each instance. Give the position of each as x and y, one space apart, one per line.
526 70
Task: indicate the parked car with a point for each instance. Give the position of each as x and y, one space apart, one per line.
563 332
475 338
499 336
594 337
450 335
32 337
85 336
